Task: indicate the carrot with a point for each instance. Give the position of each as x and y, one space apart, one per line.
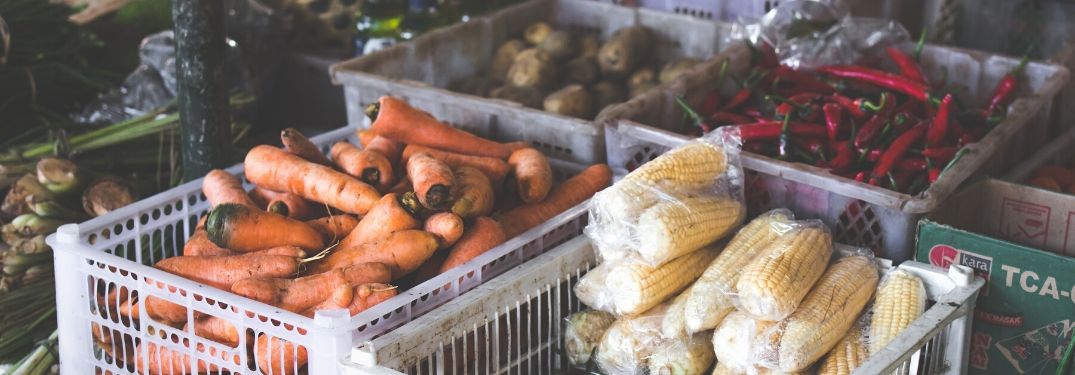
472 195
367 165
287 250
274 169
482 235
199 245
396 120
448 227
298 145
393 213
569 193
365 137
298 295
1045 182
402 186
217 329
364 297
387 147
243 229
533 175
1061 175
493 168
333 228
222 187
165 360
276 356
403 252
517 145
428 270
432 180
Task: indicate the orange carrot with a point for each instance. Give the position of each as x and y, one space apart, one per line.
243 229
482 235
568 194
286 250
297 144
274 169
365 137
472 195
217 329
164 360
393 213
199 244
221 187
533 175
298 295
367 165
495 169
448 227
387 147
432 180
276 356
363 297
428 270
294 206
402 251
396 120
517 145
333 228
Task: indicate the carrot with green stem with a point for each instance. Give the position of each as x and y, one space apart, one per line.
448 227
483 234
244 229
297 144
335 227
300 294
393 213
472 195
574 191
274 169
432 180
367 165
222 187
533 175
402 251
396 120
495 169
363 297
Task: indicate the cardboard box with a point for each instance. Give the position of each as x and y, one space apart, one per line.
1025 314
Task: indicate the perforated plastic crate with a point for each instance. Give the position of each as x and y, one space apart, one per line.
512 325
117 250
858 213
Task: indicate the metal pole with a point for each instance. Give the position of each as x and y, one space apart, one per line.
202 94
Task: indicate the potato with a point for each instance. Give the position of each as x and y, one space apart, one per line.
478 86
674 69
537 32
641 77
560 45
607 93
532 67
525 95
572 100
640 89
588 46
628 49
581 70
504 57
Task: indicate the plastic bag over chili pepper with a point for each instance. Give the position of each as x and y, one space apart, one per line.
807 34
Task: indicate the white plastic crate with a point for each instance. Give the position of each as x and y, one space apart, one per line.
118 249
422 70
512 325
858 213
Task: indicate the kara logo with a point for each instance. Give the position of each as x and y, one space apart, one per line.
944 256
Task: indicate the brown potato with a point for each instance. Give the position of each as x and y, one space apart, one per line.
572 100
581 70
560 45
532 67
628 49
537 32
588 46
643 76
526 95
675 69
606 93
641 89
504 57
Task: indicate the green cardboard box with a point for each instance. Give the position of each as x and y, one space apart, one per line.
1025 314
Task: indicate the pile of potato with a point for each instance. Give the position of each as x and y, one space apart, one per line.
573 76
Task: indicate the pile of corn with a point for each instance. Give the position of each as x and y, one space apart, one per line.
672 297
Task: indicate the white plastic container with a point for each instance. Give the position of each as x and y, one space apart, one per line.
98 254
511 325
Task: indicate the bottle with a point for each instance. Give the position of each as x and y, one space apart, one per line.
377 25
422 16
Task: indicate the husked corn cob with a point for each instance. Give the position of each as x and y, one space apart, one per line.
672 228
691 355
592 289
735 339
723 369
673 325
636 286
901 298
772 286
827 313
696 164
849 354
582 332
629 342
708 302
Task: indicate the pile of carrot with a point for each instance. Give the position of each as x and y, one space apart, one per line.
1053 177
414 199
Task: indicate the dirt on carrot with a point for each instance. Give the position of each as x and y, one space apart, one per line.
432 180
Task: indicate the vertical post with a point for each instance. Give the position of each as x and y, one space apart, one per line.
202 93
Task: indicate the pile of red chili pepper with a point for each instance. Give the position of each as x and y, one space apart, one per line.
895 130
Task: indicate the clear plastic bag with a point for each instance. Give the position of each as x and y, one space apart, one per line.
678 203
772 286
901 298
692 355
582 332
629 342
736 337
630 286
848 354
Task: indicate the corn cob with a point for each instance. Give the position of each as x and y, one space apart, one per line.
582 332
591 289
707 302
901 298
848 354
696 164
735 338
827 313
723 369
636 286
688 356
772 286
673 325
629 342
672 228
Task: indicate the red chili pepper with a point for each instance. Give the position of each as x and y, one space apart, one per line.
728 118
699 122
881 78
802 81
811 145
908 66
939 126
771 130
911 164
940 154
753 112
957 129
739 98
783 144
833 117
875 124
766 56
861 176
901 180
783 109
844 156
805 98
1002 94
872 155
848 105
711 103
934 173
898 148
